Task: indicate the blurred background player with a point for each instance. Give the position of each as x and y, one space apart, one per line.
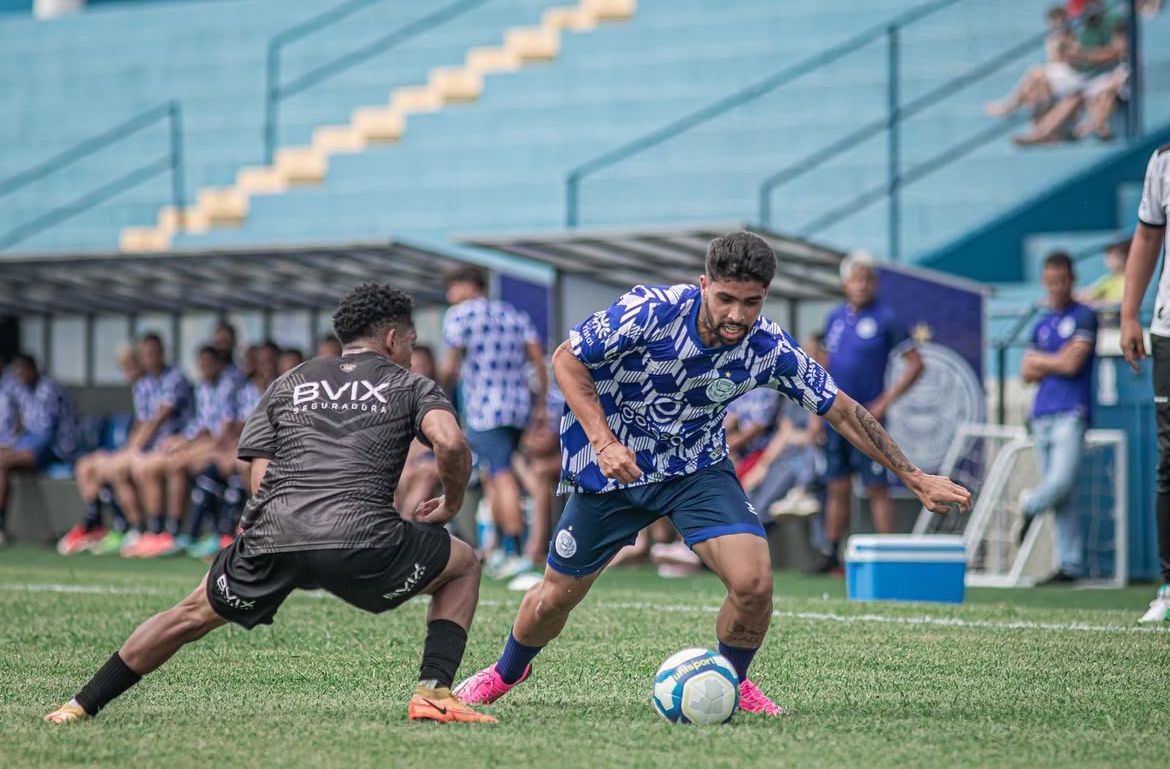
860 335
47 430
328 347
420 476
290 358
490 346
1064 343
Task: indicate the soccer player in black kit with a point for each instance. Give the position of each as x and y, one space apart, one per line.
327 445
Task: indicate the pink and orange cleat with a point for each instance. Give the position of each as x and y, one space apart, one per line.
486 686
443 706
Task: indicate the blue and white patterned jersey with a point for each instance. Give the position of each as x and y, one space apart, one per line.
46 411
758 407
215 406
665 394
170 388
246 400
493 336
9 417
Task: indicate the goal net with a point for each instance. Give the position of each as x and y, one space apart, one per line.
997 463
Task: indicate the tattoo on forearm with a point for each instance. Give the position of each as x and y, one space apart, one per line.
881 440
589 390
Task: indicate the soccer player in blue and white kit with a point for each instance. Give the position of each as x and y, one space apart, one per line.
646 384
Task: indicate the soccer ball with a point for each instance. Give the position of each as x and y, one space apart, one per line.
696 686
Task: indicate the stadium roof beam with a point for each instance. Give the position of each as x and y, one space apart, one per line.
282 278
658 255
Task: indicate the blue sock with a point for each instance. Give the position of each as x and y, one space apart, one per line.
739 658
515 659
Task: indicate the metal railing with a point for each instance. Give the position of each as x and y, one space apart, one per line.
275 91
172 161
896 114
736 99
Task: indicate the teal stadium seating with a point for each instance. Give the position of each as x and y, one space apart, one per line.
499 163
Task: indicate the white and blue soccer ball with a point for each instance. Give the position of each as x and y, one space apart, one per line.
696 686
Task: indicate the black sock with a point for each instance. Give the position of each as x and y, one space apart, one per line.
110 682
110 502
171 526
442 653
205 497
154 523
1163 507
3 517
91 514
834 550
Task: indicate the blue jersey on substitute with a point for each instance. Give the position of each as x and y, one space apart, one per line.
665 393
859 344
1065 394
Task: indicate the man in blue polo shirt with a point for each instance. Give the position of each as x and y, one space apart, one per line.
1061 359
860 335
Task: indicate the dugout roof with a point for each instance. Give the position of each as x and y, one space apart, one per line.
675 255
302 277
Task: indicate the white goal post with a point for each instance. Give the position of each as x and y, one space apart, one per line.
997 463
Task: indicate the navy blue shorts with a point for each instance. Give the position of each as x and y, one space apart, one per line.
702 506
494 448
844 459
38 446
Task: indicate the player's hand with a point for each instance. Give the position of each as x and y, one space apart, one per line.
878 408
939 494
618 462
435 512
1133 344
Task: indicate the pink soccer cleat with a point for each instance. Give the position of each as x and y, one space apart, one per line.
486 686
752 700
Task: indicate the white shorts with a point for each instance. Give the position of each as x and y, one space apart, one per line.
1063 79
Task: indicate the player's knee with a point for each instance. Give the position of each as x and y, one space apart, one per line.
752 590
463 559
553 601
194 616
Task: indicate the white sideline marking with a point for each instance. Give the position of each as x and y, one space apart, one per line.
817 616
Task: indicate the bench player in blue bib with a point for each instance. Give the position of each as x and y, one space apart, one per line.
646 384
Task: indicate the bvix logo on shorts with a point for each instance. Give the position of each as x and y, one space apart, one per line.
409 584
232 600
566 545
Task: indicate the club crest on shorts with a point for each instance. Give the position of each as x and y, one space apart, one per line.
721 389
566 545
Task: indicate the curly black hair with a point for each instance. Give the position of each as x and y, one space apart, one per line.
741 256
369 309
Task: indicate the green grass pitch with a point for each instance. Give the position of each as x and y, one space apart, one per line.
1037 678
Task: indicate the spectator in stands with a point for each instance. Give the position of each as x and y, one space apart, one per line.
183 455
1100 60
489 347
290 358
860 336
1045 83
420 475
223 340
1061 359
218 491
163 404
48 431
328 346
1108 290
94 471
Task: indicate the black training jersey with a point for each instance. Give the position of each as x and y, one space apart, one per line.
336 431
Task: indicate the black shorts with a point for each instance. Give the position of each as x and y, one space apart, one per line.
247 588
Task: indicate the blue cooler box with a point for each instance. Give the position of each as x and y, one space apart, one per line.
903 567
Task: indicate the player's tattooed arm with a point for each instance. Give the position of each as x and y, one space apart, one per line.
580 393
937 493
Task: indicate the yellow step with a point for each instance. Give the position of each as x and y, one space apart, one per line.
575 18
610 10
418 98
301 165
455 84
223 206
378 124
533 43
260 180
334 139
487 60
191 220
143 240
